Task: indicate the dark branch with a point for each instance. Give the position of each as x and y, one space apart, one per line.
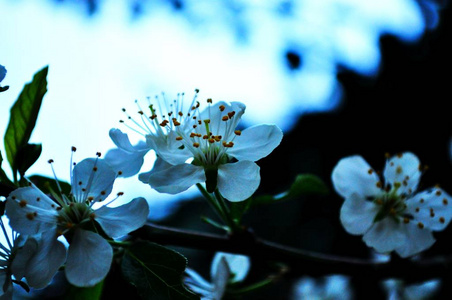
300 262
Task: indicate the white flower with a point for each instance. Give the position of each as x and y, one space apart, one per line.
26 257
226 269
221 156
335 287
89 255
398 290
391 215
127 159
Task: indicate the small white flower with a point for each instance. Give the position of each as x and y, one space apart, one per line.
89 255
219 154
225 269
334 287
154 126
26 257
391 215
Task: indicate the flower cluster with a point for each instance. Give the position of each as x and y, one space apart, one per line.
86 225
391 214
196 146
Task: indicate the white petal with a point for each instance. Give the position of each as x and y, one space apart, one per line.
126 163
385 235
89 259
220 278
433 208
168 148
49 257
256 142
354 175
23 255
29 219
33 196
238 181
119 221
239 265
121 140
159 165
176 179
357 214
417 240
89 183
403 169
218 127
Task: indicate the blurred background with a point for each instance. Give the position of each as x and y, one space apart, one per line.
340 77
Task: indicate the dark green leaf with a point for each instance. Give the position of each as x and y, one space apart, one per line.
308 184
23 116
4 88
26 156
48 184
6 186
91 293
238 209
156 271
304 185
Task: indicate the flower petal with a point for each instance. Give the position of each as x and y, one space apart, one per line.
49 257
159 165
119 221
29 216
357 214
417 240
238 181
92 177
239 265
2 73
168 148
354 175
176 179
121 140
385 235
403 169
220 278
23 255
433 208
126 163
214 114
256 142
89 259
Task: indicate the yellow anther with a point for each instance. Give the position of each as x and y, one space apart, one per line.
442 220
103 193
196 145
445 202
211 140
209 100
231 114
225 118
30 216
438 193
90 198
179 138
379 184
95 169
217 138
180 114
205 137
370 171
238 132
192 135
420 225
23 203
222 107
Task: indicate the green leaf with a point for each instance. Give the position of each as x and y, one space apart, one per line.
308 184
238 209
156 271
90 293
303 185
6 186
26 156
23 116
48 184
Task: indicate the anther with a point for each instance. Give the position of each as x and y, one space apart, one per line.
95 169
192 135
196 145
399 155
379 184
98 154
120 194
209 100
417 209
231 114
445 202
370 171
211 140
399 170
442 220
179 138
420 225
119 172
30 216
238 132
438 193
73 149
22 203
422 200
406 220
222 107
103 193
50 161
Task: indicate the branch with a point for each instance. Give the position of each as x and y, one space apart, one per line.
300 262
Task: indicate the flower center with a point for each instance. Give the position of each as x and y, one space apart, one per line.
73 214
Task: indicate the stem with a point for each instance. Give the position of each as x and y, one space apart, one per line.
213 203
300 262
228 219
